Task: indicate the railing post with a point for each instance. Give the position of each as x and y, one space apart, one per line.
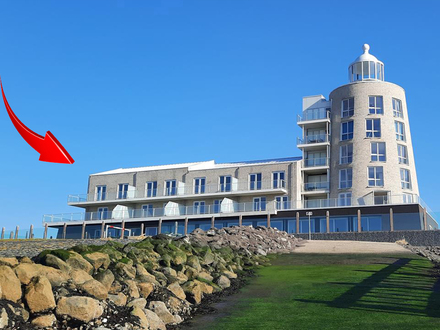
297 223
65 230
31 232
123 229
45 231
159 228
359 221
11 236
268 220
102 229
240 220
185 230
391 219
142 228
212 222
83 231
3 233
425 219
16 232
327 220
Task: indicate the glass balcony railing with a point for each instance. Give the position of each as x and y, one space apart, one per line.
315 162
181 191
316 138
313 114
313 186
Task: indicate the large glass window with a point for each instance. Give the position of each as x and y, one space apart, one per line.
378 152
400 131
217 205
170 187
101 192
102 213
347 107
255 181
344 199
199 207
346 154
122 190
397 108
199 185
259 204
402 153
278 179
375 105
347 130
147 210
281 203
373 128
375 176
345 178
405 178
151 189
225 183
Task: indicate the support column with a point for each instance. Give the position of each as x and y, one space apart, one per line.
213 222
64 230
3 233
123 229
327 220
159 229
16 232
359 221
31 232
11 236
45 231
297 223
425 219
185 230
240 220
83 231
391 219
142 229
103 229
268 220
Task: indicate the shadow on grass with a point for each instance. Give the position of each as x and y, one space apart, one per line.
400 288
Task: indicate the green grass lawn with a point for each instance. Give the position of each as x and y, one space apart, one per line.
314 291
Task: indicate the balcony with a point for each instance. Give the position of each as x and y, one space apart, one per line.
314 140
315 162
313 116
316 187
184 192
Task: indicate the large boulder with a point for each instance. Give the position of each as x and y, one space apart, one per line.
139 313
193 292
144 276
106 278
26 271
132 289
194 262
55 262
126 269
119 299
11 262
84 309
145 289
162 311
138 302
177 290
4 319
39 296
10 284
223 282
205 276
79 276
44 321
98 259
95 289
155 321
76 261
205 287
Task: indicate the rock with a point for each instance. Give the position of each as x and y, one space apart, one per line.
162 311
76 261
132 289
39 296
80 308
207 258
115 288
155 322
194 262
168 271
44 321
191 272
25 272
143 321
229 274
98 259
25 260
177 290
106 278
223 282
206 288
10 284
79 276
95 289
125 270
181 277
206 276
119 299
144 276
4 319
138 302
193 292
178 258
11 262
57 263
145 289
19 311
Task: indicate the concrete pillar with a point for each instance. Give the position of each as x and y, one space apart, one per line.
327 219
359 221
268 220
297 223
11 236
64 230
16 232
240 220
142 229
159 229
391 219
83 231
3 233
425 220
45 231
185 230
31 232
213 222
123 229
102 229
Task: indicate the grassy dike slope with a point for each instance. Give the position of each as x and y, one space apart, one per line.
338 291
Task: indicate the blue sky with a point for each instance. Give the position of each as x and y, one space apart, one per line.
134 83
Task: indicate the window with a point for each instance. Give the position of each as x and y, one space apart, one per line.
255 181
402 153
147 210
346 154
278 179
151 190
217 205
345 178
260 204
378 153
102 213
347 107
375 105
199 207
375 176
225 183
397 108
407 198
347 130
400 131
281 203
100 193
344 199
170 187
122 190
199 185
405 178
373 128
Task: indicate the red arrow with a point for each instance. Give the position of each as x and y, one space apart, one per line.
49 148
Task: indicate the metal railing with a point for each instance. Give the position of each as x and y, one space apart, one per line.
313 114
315 162
312 186
316 138
180 191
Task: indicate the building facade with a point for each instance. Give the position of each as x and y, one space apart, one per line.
357 173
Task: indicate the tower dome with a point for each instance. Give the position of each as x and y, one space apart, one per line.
366 67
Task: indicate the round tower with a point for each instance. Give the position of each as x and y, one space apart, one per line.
371 150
